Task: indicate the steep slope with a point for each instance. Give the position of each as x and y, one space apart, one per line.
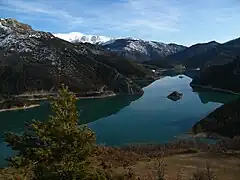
140 50
197 49
123 65
220 54
224 121
32 61
224 77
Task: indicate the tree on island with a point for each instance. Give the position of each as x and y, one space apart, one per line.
58 149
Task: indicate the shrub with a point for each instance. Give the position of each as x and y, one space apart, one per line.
59 148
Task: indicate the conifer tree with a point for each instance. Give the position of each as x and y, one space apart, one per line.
59 148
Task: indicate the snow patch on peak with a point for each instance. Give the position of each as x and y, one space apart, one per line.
72 36
153 44
19 37
108 42
80 37
136 46
4 28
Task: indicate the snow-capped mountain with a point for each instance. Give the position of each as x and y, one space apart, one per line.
79 37
135 49
141 50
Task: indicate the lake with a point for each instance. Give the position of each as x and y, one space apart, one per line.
151 118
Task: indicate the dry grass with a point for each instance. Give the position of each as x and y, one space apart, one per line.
186 160
184 167
183 160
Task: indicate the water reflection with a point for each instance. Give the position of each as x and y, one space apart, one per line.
90 110
216 97
191 73
93 109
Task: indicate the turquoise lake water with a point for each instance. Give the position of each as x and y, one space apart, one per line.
151 118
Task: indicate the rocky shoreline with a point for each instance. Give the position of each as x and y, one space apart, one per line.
31 98
20 108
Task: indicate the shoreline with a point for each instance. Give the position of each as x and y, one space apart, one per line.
20 108
215 89
45 98
97 97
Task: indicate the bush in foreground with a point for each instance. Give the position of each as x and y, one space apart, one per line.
56 149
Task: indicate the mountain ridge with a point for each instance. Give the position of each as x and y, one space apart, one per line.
194 50
35 60
133 48
141 50
218 55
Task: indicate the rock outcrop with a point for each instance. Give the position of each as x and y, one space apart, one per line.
175 96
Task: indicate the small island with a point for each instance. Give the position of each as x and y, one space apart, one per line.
175 96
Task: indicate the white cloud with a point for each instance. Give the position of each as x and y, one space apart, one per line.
123 15
220 14
139 15
37 9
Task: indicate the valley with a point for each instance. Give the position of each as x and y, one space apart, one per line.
121 87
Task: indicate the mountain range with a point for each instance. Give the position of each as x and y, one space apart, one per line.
33 61
134 49
167 55
140 50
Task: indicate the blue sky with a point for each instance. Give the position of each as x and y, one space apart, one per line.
179 21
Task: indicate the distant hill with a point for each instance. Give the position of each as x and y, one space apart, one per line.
193 51
217 55
224 77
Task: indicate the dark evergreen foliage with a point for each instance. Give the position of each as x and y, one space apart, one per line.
59 148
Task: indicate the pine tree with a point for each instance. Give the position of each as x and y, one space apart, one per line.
59 148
